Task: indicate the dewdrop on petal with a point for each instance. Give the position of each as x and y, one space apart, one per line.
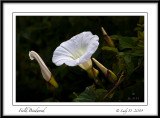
108 73
47 75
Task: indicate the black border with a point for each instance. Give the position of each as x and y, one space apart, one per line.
60 1
80 1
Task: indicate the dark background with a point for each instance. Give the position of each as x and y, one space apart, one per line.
43 34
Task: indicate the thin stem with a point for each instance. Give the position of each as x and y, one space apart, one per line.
116 85
140 65
96 78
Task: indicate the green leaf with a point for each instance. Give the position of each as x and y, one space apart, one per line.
91 94
141 35
137 29
121 64
110 49
87 96
115 68
121 53
129 64
127 42
100 93
140 25
138 51
115 37
127 58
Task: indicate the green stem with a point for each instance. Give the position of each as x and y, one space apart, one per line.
96 79
116 85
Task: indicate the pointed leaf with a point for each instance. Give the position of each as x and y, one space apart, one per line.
87 96
127 42
110 49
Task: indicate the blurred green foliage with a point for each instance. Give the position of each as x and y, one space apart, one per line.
44 33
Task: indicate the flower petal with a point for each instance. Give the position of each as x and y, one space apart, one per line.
77 50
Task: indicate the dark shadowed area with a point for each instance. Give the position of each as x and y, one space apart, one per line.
44 33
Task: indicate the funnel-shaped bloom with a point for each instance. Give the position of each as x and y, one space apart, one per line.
77 51
47 75
108 73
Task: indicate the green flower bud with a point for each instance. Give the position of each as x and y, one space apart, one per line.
108 40
108 73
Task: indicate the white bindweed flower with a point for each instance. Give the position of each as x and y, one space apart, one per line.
47 75
77 51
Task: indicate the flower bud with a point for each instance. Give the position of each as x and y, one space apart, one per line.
47 75
92 72
108 73
108 40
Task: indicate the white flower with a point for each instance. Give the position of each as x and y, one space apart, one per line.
47 75
77 51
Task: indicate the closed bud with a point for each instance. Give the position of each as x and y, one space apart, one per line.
108 73
108 40
47 75
92 72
